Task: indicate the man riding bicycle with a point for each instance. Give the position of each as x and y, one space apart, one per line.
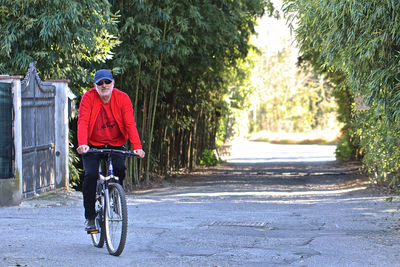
105 121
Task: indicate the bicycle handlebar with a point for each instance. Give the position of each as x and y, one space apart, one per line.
111 151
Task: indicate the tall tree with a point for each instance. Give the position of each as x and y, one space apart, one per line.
63 37
176 54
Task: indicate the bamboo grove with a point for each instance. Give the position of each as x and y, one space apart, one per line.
357 44
174 58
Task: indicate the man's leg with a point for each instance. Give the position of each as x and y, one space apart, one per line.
91 166
119 167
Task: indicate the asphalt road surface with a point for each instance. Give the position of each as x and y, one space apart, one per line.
265 212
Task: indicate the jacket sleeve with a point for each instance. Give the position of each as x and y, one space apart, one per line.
83 120
130 124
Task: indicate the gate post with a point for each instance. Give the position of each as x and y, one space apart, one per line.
61 132
11 188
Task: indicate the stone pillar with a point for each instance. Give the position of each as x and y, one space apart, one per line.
61 133
11 189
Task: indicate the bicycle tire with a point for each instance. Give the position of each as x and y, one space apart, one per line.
116 220
99 237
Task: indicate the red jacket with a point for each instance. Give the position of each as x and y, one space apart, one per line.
121 107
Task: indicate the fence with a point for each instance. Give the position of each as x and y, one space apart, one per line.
7 148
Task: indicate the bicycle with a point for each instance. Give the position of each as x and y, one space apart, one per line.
111 208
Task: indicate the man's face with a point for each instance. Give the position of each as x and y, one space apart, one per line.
104 89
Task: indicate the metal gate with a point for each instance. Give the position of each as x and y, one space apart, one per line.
6 132
38 134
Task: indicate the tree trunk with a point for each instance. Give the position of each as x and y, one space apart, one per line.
154 110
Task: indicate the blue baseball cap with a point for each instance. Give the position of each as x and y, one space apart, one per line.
101 75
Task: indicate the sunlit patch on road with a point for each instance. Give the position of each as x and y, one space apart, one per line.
273 193
244 151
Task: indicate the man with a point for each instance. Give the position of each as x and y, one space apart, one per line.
105 121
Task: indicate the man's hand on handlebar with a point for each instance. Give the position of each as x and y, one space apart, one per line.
140 153
82 149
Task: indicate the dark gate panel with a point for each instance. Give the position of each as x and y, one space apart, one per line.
6 126
38 134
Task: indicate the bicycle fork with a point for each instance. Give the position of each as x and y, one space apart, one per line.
104 180
107 202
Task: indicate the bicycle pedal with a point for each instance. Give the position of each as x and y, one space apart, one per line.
93 232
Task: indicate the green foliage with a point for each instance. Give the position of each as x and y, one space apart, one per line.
180 56
74 172
175 59
380 147
344 149
355 44
348 144
234 107
209 158
389 199
63 37
288 98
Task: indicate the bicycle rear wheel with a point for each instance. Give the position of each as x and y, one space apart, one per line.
99 236
116 220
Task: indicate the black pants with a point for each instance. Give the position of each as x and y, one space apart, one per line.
91 165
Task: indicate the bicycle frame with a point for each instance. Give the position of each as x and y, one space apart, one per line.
104 180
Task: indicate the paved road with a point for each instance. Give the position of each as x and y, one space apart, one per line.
264 214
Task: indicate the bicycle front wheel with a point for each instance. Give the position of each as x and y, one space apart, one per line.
116 220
